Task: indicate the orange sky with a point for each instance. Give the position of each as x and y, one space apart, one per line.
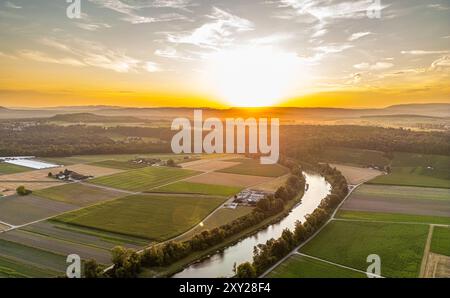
226 53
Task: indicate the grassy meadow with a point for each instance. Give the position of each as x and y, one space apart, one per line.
400 246
147 216
143 179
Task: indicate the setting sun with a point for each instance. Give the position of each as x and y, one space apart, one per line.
252 76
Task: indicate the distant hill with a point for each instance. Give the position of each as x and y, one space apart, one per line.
429 109
3 108
409 116
93 118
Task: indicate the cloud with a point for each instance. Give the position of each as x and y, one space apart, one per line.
358 35
441 63
42 57
422 52
132 15
330 9
438 7
88 53
12 5
218 31
152 67
92 27
376 66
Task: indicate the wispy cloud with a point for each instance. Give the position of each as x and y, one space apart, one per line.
132 15
324 10
375 66
441 63
81 52
9 4
358 35
218 31
424 52
42 57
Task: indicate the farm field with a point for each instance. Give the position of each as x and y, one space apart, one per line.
273 185
78 194
118 164
298 266
57 246
253 167
440 243
356 175
400 199
14 269
216 178
199 188
418 170
209 165
9 188
17 210
143 179
147 216
391 217
6 168
409 177
219 218
354 157
48 263
400 246
77 234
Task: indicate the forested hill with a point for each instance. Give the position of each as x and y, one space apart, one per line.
93 118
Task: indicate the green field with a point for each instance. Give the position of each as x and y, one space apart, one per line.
401 192
355 157
255 168
440 243
417 170
15 269
199 188
148 216
46 261
298 266
78 194
408 176
392 217
118 164
6 168
400 246
143 179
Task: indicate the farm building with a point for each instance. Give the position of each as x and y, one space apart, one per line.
249 197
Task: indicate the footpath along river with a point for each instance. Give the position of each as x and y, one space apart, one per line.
221 264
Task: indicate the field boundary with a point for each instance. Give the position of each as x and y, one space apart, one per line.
426 252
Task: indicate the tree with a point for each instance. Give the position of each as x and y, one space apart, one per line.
22 191
246 270
92 269
127 263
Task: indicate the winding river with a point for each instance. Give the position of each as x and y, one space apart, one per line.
221 264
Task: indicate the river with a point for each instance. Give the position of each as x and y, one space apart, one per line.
221 264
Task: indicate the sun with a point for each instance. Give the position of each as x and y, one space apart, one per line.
252 76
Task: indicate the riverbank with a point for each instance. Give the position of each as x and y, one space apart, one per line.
198 257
